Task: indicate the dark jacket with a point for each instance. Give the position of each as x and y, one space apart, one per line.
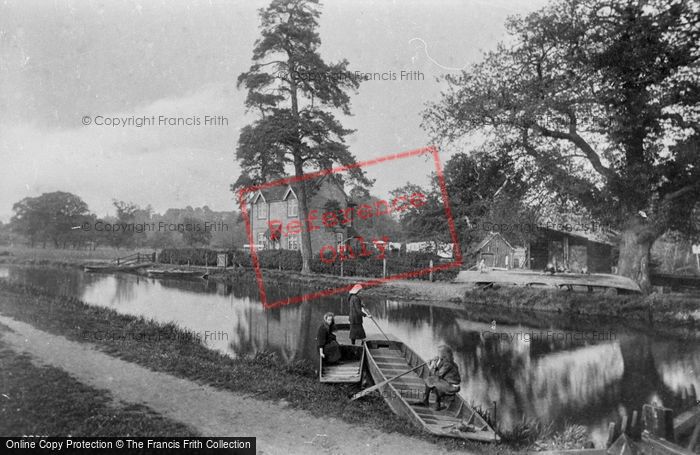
356 313
448 371
325 335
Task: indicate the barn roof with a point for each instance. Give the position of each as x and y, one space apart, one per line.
492 235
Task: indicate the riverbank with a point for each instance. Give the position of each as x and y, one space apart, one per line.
167 349
676 310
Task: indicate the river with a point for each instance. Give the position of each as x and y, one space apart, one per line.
551 368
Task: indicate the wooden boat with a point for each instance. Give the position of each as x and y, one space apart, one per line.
176 273
386 359
111 268
349 370
564 281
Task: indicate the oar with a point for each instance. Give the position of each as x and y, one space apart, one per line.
376 386
380 329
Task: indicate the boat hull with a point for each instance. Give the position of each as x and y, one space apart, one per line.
113 268
386 359
528 278
176 274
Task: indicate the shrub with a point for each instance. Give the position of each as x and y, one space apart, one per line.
202 256
280 259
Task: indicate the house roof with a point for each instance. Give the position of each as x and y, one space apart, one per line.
605 237
275 193
279 192
492 235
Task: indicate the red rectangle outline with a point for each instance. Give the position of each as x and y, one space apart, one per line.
372 282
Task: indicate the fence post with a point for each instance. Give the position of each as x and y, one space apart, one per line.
431 270
384 267
658 421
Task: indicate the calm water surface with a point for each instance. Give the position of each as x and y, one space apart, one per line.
587 373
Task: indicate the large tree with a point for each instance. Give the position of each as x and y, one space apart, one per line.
484 188
598 100
295 94
51 216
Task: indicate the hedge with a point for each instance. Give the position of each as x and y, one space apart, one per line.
369 267
372 267
201 256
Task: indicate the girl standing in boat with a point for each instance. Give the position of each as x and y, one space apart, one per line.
357 312
328 347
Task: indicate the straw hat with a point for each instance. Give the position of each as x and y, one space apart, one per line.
355 289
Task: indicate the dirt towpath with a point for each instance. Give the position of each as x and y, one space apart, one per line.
279 430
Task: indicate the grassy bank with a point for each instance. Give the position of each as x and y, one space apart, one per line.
24 255
670 309
168 349
32 397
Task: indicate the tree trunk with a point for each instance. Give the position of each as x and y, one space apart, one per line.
303 215
299 171
635 247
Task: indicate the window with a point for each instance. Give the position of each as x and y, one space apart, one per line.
261 208
292 207
261 238
293 242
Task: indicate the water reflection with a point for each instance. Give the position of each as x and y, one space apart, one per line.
589 382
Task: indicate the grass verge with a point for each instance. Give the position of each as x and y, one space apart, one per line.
46 401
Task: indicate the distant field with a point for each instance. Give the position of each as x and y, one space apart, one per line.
23 253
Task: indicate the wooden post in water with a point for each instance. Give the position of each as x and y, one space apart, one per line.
611 434
658 421
495 409
694 437
633 426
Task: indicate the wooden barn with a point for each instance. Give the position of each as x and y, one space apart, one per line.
495 251
571 251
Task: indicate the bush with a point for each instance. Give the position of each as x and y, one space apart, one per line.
184 256
201 256
280 259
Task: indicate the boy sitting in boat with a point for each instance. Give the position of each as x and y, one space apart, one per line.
444 378
328 347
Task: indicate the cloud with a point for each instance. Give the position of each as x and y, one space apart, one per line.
165 166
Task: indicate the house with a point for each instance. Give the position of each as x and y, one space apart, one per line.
271 211
575 251
496 251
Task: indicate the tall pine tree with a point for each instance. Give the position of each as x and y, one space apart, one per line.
295 94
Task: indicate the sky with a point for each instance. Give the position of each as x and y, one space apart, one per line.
64 64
